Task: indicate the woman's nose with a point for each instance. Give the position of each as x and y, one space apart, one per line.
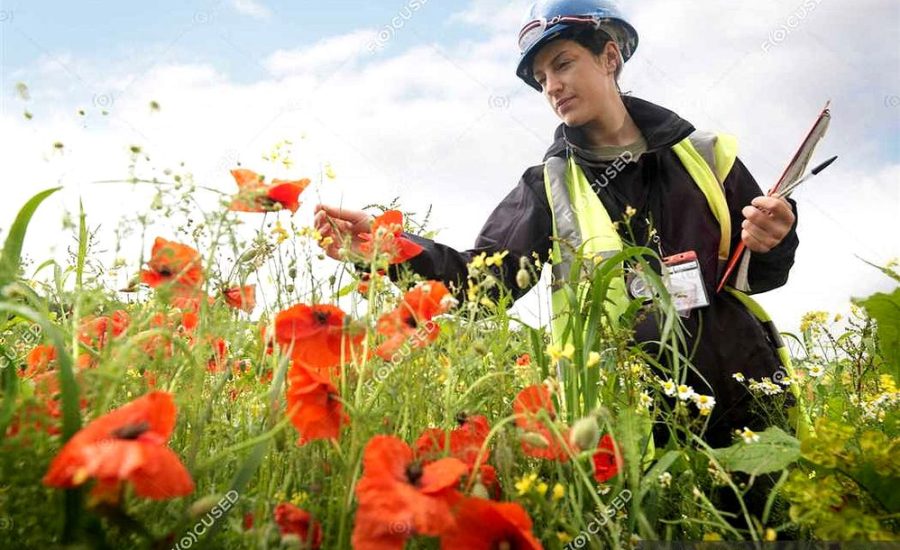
552 86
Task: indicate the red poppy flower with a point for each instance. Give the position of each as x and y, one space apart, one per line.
313 404
531 401
219 358
294 521
95 331
607 459
412 318
44 411
386 234
126 444
399 497
487 525
247 523
317 334
39 360
255 196
464 442
538 439
175 263
241 297
523 360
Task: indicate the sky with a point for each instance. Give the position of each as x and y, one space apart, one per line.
418 99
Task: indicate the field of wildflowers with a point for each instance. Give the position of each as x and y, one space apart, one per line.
230 397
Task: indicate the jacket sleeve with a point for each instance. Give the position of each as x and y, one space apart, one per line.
521 225
769 270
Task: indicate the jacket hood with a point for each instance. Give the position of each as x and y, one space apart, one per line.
661 128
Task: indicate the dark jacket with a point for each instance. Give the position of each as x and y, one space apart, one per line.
730 338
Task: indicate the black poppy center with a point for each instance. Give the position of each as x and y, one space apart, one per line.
414 472
131 431
321 317
461 418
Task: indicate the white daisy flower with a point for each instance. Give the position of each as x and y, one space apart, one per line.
669 388
739 376
705 403
748 435
685 392
816 370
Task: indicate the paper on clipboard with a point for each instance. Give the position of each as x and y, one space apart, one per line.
791 174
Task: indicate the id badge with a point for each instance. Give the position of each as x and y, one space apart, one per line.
684 282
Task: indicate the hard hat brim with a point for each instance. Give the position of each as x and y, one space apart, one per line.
524 69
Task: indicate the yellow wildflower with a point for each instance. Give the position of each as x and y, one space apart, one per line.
496 258
524 484
477 262
559 491
556 353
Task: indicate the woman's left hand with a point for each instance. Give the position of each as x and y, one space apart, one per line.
766 223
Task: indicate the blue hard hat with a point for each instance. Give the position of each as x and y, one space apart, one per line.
547 19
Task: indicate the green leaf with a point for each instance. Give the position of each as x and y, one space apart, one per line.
774 451
346 290
885 489
12 249
885 309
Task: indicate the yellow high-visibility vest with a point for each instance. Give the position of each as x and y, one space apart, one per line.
581 223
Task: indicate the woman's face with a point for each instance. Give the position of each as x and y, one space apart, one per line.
576 83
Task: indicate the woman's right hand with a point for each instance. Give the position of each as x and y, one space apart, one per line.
342 225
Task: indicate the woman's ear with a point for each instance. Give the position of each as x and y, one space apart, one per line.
611 56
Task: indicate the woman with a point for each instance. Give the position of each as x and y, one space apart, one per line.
621 157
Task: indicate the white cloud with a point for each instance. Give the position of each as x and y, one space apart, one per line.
328 54
452 127
252 8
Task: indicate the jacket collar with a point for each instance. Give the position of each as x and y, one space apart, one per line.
661 128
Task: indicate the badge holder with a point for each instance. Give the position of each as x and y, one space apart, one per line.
681 277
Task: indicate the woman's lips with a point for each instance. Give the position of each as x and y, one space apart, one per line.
564 104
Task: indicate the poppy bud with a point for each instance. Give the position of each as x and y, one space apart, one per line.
480 491
534 439
523 279
585 433
203 505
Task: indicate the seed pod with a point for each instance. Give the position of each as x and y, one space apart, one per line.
523 279
585 433
203 505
